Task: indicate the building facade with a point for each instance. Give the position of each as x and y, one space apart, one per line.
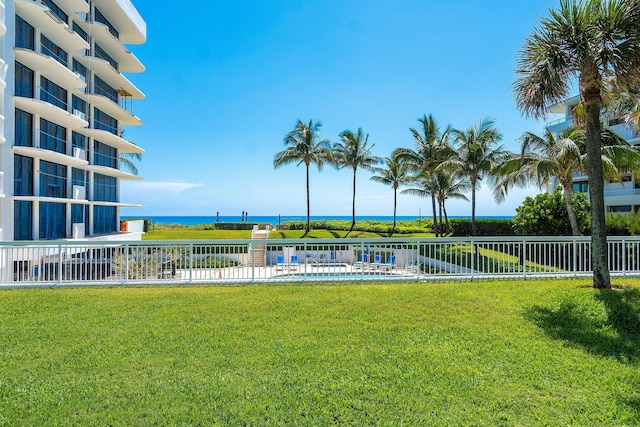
618 196
64 104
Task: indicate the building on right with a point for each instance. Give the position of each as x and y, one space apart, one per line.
618 196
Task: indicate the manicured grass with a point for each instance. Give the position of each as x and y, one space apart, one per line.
545 352
195 234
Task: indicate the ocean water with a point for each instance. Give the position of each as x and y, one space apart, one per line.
196 220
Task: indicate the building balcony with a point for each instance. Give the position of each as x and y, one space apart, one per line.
50 68
58 31
3 74
110 75
124 16
106 105
117 173
2 195
51 112
2 138
127 62
112 140
49 156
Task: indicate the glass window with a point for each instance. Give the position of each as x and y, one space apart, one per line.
80 69
79 177
53 179
105 188
51 49
24 81
105 122
104 219
79 31
105 155
22 219
24 34
24 129
99 17
101 53
22 176
56 10
78 140
581 187
79 105
52 93
79 215
100 87
52 220
53 137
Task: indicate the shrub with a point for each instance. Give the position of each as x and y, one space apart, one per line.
546 215
623 224
484 227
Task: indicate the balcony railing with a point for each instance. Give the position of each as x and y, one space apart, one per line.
252 261
625 192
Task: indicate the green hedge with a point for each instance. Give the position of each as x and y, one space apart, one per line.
484 227
422 225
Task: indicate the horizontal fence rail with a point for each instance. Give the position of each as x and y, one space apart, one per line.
60 263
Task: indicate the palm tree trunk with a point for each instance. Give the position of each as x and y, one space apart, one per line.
308 203
473 207
395 204
568 196
433 207
440 227
353 204
446 218
591 96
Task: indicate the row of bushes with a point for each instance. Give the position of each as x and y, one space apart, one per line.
421 225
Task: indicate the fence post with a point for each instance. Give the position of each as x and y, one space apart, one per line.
252 252
623 254
524 259
575 258
473 258
126 263
59 264
190 262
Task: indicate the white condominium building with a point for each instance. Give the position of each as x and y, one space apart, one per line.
64 104
618 196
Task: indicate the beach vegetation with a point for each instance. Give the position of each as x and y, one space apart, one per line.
546 215
431 152
353 152
597 43
304 146
394 174
477 156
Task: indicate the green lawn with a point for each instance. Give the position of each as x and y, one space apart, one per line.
195 234
547 352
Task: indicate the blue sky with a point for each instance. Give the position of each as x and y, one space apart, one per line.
225 82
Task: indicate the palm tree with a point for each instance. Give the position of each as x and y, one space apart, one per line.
597 42
449 186
477 156
432 151
541 159
352 151
394 174
126 160
304 146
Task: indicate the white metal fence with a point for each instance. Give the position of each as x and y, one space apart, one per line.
60 263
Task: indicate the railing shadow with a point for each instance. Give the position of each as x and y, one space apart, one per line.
608 325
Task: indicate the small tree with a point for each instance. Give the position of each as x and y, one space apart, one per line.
547 215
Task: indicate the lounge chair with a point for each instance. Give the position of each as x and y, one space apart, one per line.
362 261
280 265
377 261
333 257
390 264
294 262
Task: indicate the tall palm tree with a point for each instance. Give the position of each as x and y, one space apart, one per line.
559 157
541 159
597 42
449 186
394 174
478 155
352 152
432 150
304 146
126 160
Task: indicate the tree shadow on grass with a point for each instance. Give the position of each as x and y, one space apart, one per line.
605 323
